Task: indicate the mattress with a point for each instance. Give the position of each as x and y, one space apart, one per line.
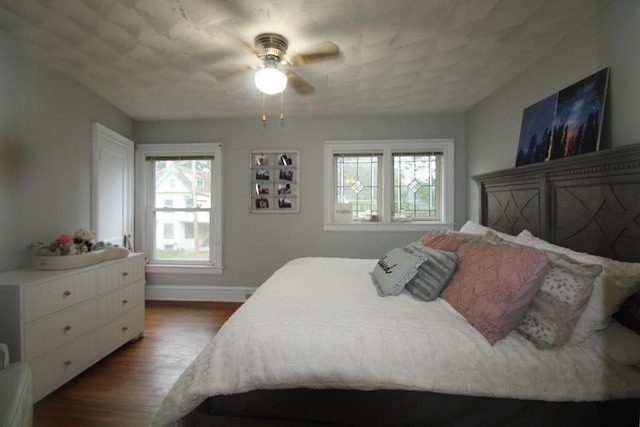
318 323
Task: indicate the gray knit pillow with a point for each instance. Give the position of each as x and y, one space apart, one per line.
433 274
394 270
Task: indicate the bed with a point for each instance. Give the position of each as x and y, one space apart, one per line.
318 345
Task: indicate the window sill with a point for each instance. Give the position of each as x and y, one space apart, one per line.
183 269
387 226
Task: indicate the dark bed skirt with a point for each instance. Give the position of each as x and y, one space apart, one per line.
304 407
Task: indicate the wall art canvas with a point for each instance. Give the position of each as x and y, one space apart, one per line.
578 120
536 131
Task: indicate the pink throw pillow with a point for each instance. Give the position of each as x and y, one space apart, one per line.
442 241
493 284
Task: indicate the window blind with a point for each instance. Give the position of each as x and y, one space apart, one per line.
178 158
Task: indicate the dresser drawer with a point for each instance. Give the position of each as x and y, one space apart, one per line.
121 330
115 275
114 304
61 365
132 269
46 298
65 326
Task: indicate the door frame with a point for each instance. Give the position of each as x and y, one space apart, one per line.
103 138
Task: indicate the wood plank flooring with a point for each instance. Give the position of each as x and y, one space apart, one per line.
126 387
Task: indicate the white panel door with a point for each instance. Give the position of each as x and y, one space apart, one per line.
112 210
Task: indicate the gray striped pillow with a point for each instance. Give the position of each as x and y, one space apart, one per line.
433 274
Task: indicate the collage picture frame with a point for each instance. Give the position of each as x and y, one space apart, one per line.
275 181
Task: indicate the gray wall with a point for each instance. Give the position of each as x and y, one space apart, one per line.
256 245
611 40
45 154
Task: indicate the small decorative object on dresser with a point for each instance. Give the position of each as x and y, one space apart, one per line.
74 251
275 181
62 322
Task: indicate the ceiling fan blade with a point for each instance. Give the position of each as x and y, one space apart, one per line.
224 75
298 84
322 52
218 34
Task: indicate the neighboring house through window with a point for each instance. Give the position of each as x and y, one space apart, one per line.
176 235
388 185
168 231
188 230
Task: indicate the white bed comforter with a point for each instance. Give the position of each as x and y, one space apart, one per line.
319 323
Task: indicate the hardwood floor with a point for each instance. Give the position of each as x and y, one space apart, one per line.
126 387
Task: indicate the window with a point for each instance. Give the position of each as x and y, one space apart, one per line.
176 235
357 179
388 185
416 188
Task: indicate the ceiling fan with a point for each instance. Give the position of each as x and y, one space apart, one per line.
271 49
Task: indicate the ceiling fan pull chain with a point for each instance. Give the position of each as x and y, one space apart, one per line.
282 108
264 114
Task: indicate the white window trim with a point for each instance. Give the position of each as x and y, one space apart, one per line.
446 145
144 202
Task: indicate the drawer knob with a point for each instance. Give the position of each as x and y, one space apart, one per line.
124 329
66 293
66 363
124 301
67 328
125 274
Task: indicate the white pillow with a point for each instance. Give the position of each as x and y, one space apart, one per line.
617 282
475 228
620 343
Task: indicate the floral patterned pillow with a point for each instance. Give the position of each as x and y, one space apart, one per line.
617 282
560 302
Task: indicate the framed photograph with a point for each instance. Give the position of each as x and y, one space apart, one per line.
286 174
262 189
285 159
262 174
261 160
275 181
284 188
285 203
262 203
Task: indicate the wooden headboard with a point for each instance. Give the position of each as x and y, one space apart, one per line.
589 203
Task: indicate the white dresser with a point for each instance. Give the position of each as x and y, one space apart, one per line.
62 322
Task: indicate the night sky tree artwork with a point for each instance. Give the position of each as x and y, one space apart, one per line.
536 131
578 119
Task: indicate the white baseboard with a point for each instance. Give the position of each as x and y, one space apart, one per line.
198 293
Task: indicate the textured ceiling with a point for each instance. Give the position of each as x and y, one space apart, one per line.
166 59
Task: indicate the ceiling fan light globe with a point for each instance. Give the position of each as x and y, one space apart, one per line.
270 81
